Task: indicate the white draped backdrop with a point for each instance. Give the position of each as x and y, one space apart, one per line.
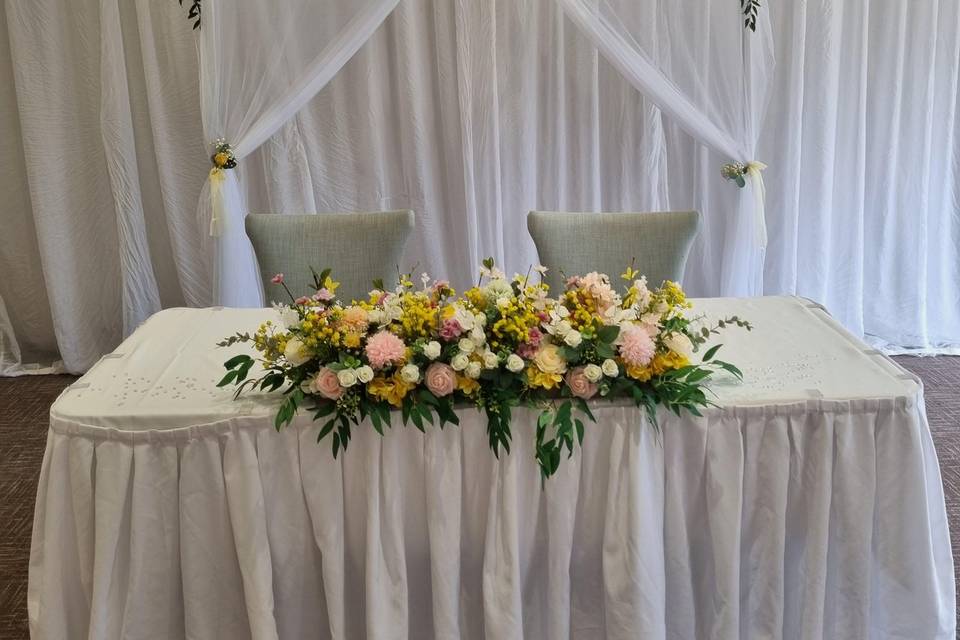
472 112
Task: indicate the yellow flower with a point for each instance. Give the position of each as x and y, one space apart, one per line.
639 372
221 159
538 378
351 340
467 385
392 389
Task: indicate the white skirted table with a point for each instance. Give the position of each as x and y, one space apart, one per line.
807 505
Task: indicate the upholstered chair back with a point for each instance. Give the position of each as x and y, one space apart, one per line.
578 243
358 247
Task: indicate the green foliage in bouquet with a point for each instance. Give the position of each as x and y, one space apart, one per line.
503 344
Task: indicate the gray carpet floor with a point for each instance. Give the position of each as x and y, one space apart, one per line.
24 404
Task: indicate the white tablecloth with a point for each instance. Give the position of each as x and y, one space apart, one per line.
809 505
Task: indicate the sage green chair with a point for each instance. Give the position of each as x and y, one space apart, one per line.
358 247
578 243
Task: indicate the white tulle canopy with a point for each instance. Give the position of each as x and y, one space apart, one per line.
258 67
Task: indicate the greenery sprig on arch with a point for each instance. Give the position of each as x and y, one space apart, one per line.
194 12
750 9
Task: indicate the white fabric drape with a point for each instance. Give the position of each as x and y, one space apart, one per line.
258 67
472 113
863 141
712 82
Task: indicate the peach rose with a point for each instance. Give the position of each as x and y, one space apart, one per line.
441 379
579 385
327 384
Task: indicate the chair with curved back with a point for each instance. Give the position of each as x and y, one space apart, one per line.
577 243
358 247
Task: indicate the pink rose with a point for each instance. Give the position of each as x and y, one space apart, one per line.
277 279
579 385
450 329
326 384
441 379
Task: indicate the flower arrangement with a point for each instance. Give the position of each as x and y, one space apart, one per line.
504 343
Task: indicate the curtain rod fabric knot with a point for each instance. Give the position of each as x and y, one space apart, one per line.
738 172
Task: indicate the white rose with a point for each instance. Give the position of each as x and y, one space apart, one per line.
480 319
562 328
478 336
432 350
473 370
610 368
679 343
410 373
296 352
365 374
514 363
490 360
347 377
459 362
592 372
465 345
562 311
573 338
464 318
289 317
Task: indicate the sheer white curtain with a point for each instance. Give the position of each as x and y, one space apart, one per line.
258 67
709 75
863 143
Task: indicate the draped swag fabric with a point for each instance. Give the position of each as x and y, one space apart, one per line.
471 113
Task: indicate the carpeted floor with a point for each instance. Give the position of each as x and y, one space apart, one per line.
24 403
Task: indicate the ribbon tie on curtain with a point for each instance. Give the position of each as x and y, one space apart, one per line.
739 172
222 159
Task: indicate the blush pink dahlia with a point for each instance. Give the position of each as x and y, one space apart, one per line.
384 348
636 346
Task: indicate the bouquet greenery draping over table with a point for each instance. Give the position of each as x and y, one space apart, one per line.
503 344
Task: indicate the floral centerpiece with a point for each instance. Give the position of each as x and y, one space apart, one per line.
504 343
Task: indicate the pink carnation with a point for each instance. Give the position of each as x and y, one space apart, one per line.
450 329
636 346
527 350
302 300
277 279
384 348
534 336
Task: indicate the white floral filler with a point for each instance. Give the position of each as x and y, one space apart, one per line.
503 344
